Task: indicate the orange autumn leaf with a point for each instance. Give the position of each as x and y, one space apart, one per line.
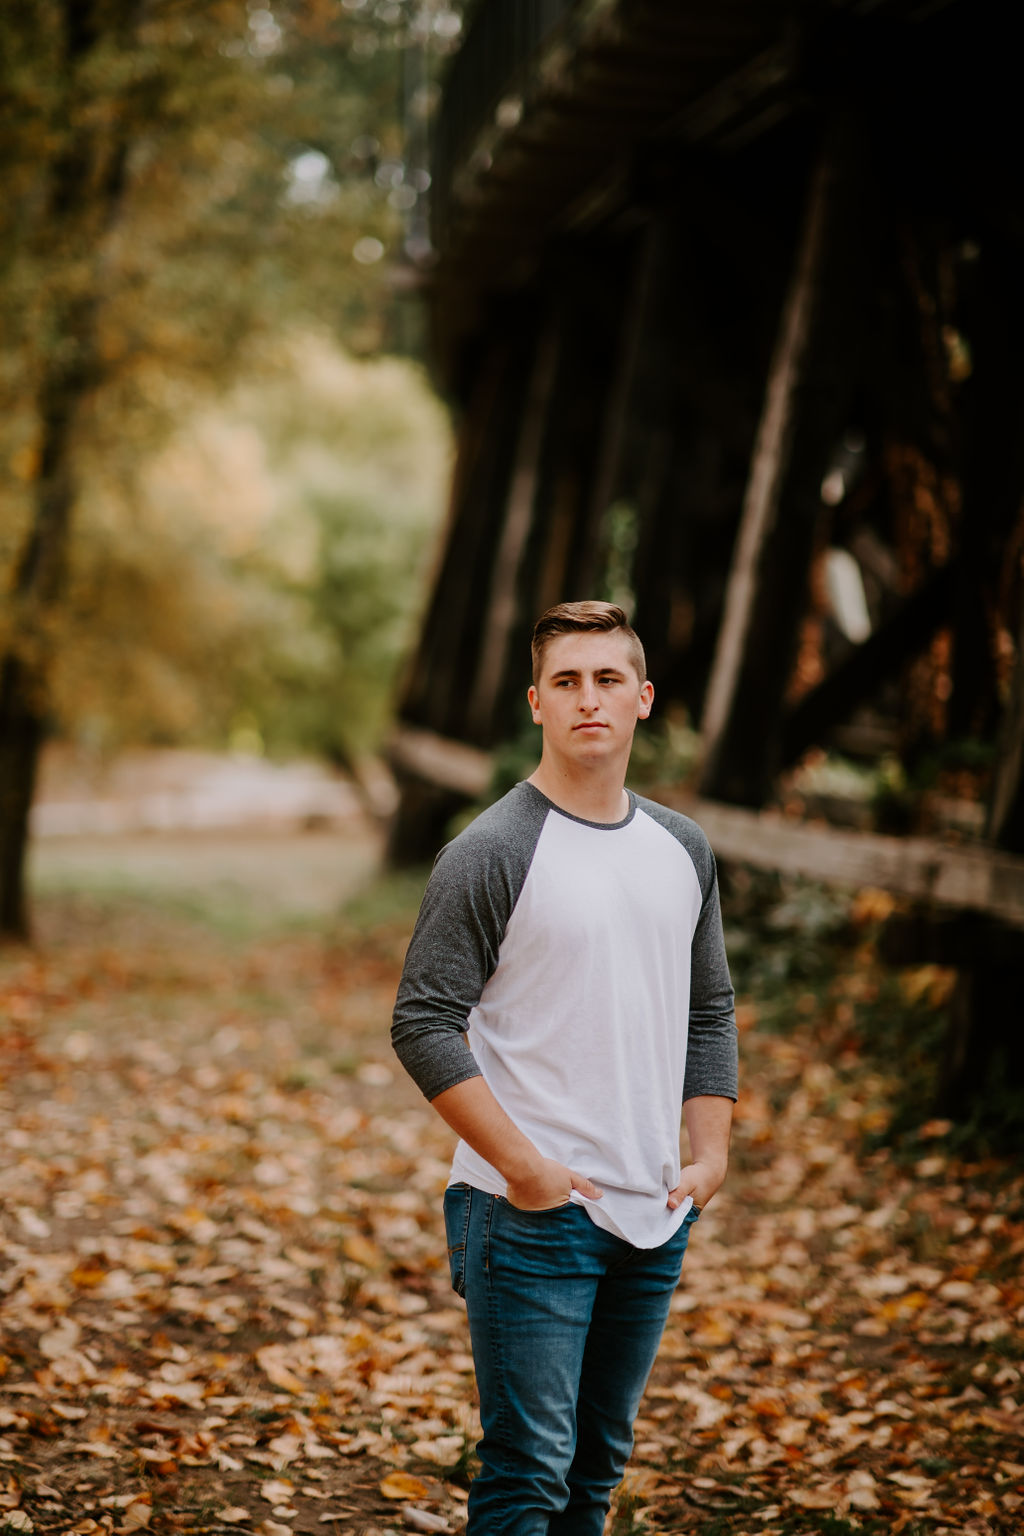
402 1485
362 1251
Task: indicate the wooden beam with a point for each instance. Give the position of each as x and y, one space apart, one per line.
905 633
1006 809
588 551
692 433
440 761
430 693
978 879
575 419
984 1049
767 472
520 507
811 381
983 1059
975 879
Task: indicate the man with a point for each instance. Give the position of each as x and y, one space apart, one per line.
574 931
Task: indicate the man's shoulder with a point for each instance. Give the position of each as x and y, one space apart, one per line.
686 832
506 831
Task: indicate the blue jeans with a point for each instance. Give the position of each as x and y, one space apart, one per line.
565 1321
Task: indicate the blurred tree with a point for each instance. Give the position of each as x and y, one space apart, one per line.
182 177
256 581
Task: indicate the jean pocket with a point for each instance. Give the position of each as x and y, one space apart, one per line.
543 1210
457 1199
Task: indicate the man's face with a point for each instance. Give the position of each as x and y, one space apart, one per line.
589 696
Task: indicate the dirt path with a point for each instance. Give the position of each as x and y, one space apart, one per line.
224 1302
243 881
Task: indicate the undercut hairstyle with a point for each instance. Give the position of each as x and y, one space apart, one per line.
581 618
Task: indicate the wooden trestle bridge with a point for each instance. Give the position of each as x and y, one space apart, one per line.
729 301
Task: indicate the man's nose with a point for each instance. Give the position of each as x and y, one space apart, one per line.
588 696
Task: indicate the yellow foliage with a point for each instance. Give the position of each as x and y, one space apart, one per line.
194 594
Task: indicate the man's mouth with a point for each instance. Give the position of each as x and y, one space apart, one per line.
590 725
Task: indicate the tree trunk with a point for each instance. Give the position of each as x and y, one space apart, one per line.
86 181
38 587
20 736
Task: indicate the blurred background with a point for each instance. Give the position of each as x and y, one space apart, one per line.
338 339
341 337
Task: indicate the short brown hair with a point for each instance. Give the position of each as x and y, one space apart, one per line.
577 618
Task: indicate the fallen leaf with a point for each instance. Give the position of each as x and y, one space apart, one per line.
813 1498
100 1448
138 1515
402 1485
272 1363
445 1450
362 1251
277 1490
423 1519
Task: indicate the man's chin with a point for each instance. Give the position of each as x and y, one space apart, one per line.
591 747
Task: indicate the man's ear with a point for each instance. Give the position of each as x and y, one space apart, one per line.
534 698
646 701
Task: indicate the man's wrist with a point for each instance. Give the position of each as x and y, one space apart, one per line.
714 1167
521 1163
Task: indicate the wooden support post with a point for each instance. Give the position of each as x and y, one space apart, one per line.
527 446
577 282
692 434
1006 807
439 677
983 1060
519 512
436 687
984 1056
810 384
589 552
993 475
903 635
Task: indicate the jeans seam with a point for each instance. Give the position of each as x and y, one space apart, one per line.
458 1266
465 1220
497 1334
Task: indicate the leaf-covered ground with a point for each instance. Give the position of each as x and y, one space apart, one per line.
224 1295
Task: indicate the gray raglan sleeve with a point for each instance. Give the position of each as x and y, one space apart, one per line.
468 901
712 1055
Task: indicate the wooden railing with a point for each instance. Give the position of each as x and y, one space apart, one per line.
967 878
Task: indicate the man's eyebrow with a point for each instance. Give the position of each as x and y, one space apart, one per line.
577 672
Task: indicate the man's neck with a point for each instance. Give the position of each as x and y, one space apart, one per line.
591 797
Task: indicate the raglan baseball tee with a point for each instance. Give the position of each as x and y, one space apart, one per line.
583 965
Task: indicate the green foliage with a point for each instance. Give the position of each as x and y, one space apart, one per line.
802 950
782 933
189 185
388 902
255 579
665 750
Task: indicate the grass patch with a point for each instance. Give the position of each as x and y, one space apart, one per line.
390 899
